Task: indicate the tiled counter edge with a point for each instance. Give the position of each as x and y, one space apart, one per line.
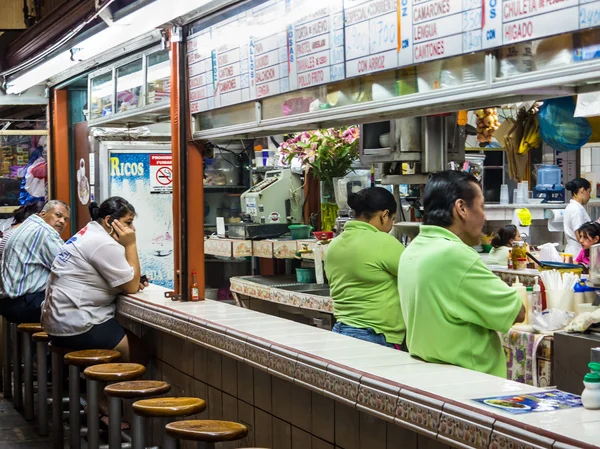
452 423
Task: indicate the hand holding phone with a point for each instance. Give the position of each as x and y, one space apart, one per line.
125 235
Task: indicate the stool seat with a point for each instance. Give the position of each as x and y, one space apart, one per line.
40 337
114 372
168 407
30 328
89 357
208 431
137 389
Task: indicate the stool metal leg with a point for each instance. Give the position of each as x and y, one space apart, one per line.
74 408
168 442
57 401
138 435
92 416
28 365
18 380
42 378
6 371
114 423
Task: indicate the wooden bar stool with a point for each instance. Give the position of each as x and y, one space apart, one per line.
208 432
6 360
16 366
77 360
41 340
166 408
137 389
27 330
109 372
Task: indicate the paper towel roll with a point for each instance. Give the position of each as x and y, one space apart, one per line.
555 222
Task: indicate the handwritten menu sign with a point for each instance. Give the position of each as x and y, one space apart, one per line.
265 48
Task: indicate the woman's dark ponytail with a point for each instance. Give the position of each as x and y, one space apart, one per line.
367 202
94 210
115 206
504 236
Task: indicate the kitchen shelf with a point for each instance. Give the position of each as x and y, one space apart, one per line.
226 187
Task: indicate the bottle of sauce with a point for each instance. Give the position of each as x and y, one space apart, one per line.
194 290
519 251
522 292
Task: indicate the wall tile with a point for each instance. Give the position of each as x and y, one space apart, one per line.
214 378
215 403
230 408
262 390
201 363
317 443
282 434
263 429
347 430
400 438
372 432
229 373
323 417
282 393
301 439
245 382
301 407
247 416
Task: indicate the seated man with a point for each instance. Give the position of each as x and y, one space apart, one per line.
452 303
27 260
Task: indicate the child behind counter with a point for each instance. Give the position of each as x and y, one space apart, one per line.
501 243
588 235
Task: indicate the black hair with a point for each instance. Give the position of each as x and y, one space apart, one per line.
115 206
504 236
366 202
592 230
576 184
26 211
441 193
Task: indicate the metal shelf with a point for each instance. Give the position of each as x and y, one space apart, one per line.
147 115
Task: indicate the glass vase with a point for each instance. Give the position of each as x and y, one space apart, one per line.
329 207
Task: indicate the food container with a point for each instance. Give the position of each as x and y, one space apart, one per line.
306 275
521 263
300 232
323 235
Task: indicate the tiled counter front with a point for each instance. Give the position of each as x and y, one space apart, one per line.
299 387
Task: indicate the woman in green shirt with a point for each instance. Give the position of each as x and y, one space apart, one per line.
362 269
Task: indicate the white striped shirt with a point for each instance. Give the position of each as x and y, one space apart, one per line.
28 257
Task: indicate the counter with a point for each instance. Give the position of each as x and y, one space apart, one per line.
326 389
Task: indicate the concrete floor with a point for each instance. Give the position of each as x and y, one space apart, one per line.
16 433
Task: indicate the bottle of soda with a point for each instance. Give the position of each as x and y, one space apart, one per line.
194 290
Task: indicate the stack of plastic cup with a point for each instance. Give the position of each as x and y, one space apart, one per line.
504 194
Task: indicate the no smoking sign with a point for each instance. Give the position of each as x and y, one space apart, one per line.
161 173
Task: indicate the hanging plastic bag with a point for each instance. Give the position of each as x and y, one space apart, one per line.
33 189
558 126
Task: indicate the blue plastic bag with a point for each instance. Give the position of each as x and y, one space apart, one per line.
559 128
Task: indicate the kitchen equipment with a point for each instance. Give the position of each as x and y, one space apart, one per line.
306 275
557 266
323 235
275 200
549 185
594 277
300 232
342 188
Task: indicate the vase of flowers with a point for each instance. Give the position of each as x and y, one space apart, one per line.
327 154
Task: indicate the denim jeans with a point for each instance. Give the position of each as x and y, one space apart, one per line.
24 309
362 334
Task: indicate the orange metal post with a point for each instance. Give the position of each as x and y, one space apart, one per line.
59 151
188 229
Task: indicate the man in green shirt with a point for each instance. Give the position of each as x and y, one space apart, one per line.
452 303
362 269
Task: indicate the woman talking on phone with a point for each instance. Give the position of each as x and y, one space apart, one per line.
96 265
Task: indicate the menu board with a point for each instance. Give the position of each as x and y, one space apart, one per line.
265 48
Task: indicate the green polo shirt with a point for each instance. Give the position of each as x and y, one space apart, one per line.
453 304
362 268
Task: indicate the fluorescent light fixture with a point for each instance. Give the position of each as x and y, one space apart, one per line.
128 28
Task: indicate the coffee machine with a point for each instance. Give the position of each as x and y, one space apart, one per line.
343 187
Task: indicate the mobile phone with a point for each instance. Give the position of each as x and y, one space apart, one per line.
143 279
110 220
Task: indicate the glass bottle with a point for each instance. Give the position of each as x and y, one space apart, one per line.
194 290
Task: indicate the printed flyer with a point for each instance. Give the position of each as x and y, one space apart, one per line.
130 177
545 401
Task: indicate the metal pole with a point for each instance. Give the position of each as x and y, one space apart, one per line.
18 387
42 378
57 403
6 352
92 417
114 423
74 408
138 435
168 441
28 365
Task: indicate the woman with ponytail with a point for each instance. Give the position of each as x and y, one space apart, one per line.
589 235
501 243
575 214
93 268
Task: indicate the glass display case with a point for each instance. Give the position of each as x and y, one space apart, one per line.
130 79
101 95
158 87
